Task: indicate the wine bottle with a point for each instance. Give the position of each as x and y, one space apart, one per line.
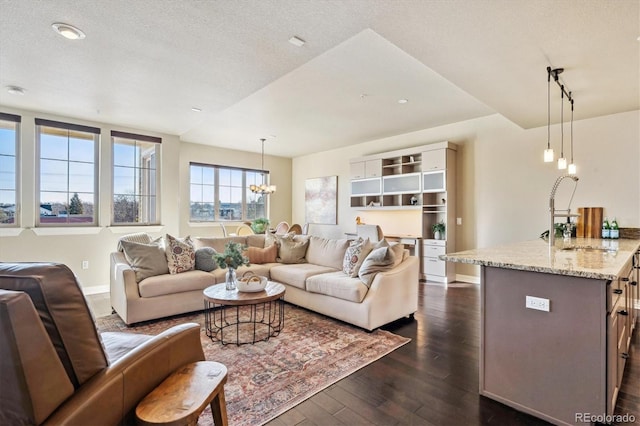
614 232
606 229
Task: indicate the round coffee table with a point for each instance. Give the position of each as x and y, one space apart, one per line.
232 316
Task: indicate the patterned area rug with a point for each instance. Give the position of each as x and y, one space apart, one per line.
266 379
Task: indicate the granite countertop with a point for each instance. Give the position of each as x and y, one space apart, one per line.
535 256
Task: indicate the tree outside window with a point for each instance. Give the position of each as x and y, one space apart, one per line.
67 169
222 194
135 179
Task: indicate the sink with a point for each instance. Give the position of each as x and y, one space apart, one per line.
586 249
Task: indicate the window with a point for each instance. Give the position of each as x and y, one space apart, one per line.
9 134
222 193
136 179
68 164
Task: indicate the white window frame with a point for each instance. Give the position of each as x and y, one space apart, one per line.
216 184
69 128
15 120
150 210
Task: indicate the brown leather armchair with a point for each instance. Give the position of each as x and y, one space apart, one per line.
55 368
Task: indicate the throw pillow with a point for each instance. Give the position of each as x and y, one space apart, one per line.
354 256
204 259
270 240
398 251
380 259
262 255
181 255
138 237
146 260
291 250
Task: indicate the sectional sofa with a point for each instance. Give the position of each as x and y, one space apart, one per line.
315 281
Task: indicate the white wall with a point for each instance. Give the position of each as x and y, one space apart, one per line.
503 185
72 249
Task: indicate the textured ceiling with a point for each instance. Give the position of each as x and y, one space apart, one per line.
145 64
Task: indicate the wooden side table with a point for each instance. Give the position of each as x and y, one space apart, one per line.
181 397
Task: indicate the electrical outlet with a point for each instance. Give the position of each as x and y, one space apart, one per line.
537 303
85 264
458 221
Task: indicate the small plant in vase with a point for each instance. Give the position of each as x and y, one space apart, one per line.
231 258
438 230
260 225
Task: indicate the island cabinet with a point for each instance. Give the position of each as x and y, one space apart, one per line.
556 325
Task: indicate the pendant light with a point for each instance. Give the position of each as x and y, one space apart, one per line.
572 166
548 153
562 162
263 189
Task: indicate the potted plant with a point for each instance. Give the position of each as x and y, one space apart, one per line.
438 230
260 225
231 258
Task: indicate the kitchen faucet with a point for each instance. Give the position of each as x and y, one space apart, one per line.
554 212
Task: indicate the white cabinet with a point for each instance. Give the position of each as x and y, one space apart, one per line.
401 184
438 206
360 187
431 263
366 169
421 179
434 181
434 160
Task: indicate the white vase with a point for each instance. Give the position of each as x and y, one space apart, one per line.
437 235
230 279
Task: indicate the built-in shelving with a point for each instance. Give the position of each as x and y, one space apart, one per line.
419 178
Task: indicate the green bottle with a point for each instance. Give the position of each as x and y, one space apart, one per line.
606 229
614 233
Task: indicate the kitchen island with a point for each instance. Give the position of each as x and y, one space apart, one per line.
556 324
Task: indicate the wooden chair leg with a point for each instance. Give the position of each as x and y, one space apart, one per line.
219 409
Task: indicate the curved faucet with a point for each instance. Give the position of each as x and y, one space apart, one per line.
552 209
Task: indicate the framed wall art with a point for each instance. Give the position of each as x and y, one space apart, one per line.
321 200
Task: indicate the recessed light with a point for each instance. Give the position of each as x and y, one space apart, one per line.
15 90
297 41
68 31
403 101
196 109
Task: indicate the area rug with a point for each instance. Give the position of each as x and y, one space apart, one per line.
268 378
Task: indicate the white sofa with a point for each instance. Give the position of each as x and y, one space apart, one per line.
318 285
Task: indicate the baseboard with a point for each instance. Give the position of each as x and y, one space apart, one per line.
468 279
96 289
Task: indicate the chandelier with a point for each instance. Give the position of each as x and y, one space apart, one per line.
262 189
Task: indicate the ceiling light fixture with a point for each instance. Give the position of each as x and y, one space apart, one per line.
572 166
263 189
548 156
403 101
15 90
548 153
297 41
562 162
68 31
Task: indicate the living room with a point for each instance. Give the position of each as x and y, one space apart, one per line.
501 128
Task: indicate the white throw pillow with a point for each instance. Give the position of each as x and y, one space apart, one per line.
354 256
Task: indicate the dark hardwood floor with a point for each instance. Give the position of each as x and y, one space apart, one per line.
433 380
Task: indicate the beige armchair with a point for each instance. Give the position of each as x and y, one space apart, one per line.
55 368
